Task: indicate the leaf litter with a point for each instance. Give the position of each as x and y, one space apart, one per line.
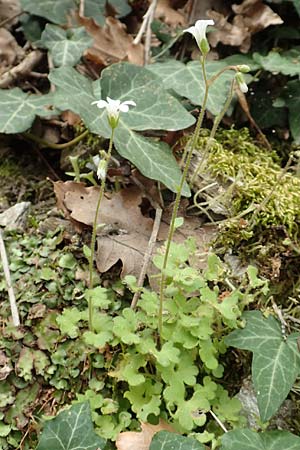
123 231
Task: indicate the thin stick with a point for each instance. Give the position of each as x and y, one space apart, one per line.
147 257
11 295
147 54
81 8
22 69
218 421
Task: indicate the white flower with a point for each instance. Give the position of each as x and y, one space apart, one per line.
113 109
241 82
199 33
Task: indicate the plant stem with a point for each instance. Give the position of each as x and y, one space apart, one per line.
40 141
178 197
94 232
217 121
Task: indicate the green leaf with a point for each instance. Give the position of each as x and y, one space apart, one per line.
156 109
187 81
71 430
18 109
68 321
292 100
54 10
250 440
276 361
121 7
67 261
65 46
164 440
96 10
287 63
145 399
297 5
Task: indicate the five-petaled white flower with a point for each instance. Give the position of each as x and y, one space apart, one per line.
199 33
113 109
241 82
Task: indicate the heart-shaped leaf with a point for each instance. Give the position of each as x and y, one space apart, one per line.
164 440
187 81
276 360
18 109
71 430
54 10
156 109
287 63
66 47
250 440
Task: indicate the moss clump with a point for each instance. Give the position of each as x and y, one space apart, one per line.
256 175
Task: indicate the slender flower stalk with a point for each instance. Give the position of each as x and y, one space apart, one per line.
113 109
178 197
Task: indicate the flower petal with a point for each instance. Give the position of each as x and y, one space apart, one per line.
100 103
129 102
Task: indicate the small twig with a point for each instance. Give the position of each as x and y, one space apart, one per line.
147 257
147 52
8 19
218 421
81 8
11 295
21 69
50 66
146 28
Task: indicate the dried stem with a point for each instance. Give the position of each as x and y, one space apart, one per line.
147 256
11 294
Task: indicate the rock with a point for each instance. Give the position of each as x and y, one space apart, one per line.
15 217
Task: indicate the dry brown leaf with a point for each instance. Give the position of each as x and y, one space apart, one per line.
8 10
126 233
166 11
131 440
251 17
10 52
111 43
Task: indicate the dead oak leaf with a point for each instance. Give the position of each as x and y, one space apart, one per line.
112 43
251 17
131 440
166 11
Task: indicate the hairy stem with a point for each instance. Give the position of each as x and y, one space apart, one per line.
94 232
178 197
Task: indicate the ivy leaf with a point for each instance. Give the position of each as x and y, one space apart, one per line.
18 109
276 361
286 62
96 10
156 109
250 440
164 440
187 81
54 10
65 46
71 430
292 100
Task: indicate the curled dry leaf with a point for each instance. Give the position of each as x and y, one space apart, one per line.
166 11
251 17
10 52
131 440
8 10
112 43
125 232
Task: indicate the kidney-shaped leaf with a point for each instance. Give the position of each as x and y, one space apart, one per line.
71 430
66 47
276 360
187 81
154 159
18 109
250 440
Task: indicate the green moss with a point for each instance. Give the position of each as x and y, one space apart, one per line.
256 174
9 168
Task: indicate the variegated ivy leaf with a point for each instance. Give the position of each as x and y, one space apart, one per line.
54 10
287 62
187 81
251 440
65 46
164 440
71 430
276 359
156 110
18 109
57 11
